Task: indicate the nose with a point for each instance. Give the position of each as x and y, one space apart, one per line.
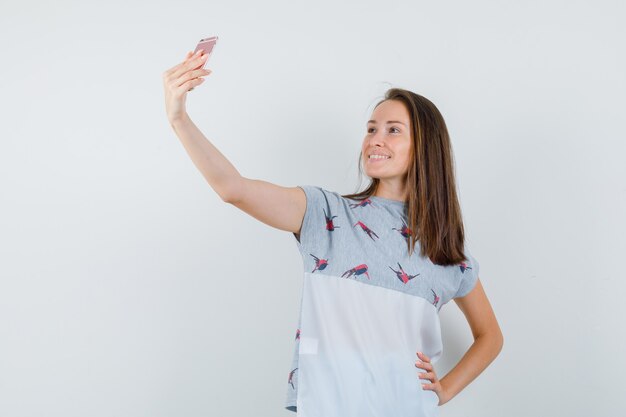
376 140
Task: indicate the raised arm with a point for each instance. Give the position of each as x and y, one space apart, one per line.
276 206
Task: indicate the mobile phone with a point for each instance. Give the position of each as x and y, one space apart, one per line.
206 45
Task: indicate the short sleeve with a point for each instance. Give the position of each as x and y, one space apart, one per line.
469 275
316 216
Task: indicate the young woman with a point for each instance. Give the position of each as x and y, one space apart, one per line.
378 265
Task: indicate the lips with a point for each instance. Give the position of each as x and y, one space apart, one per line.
373 160
377 153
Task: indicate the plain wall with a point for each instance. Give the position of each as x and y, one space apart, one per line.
129 288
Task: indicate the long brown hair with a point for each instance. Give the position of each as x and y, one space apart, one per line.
433 211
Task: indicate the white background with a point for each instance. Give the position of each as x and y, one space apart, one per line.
128 288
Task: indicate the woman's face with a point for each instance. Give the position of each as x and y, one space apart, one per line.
388 133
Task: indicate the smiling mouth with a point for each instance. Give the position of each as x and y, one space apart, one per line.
378 159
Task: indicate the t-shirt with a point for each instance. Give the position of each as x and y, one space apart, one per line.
366 308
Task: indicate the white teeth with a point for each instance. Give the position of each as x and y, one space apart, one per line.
379 157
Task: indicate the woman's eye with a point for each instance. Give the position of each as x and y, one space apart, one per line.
370 129
393 128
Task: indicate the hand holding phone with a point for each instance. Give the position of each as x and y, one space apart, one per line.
178 79
206 45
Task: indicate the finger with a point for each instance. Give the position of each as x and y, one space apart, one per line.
191 76
191 64
424 365
198 60
430 376
200 72
194 55
172 69
179 68
191 84
423 357
427 375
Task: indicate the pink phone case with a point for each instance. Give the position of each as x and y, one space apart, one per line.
207 45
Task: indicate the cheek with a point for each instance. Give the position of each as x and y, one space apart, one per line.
405 158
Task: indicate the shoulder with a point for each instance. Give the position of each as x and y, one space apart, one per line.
468 274
316 193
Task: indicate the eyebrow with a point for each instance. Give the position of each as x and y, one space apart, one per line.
390 121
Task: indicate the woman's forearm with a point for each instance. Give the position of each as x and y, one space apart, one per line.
482 352
221 175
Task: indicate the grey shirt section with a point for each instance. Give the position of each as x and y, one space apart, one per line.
367 241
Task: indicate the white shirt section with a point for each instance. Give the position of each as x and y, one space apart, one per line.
357 351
